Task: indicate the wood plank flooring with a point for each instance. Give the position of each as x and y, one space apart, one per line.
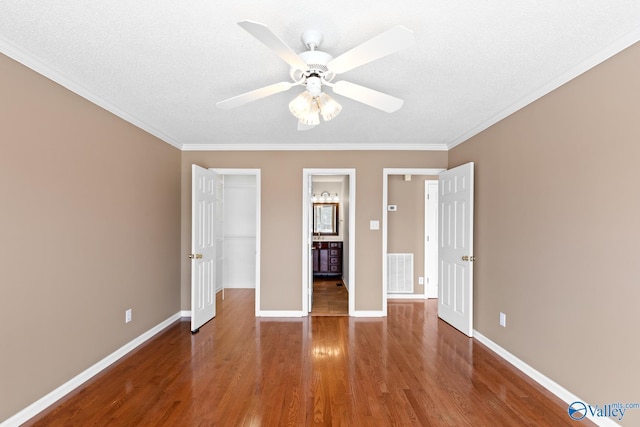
409 369
329 299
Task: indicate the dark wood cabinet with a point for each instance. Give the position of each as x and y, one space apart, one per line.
327 258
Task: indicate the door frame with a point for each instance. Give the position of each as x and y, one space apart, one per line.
307 238
257 174
430 246
385 201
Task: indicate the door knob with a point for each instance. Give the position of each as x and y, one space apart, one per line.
195 256
468 258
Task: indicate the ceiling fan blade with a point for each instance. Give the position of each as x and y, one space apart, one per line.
273 42
391 41
254 95
373 98
302 126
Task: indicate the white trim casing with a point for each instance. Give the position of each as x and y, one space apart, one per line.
431 239
49 399
258 174
307 175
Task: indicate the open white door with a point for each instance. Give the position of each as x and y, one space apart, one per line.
455 299
203 247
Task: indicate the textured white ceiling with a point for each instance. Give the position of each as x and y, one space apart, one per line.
163 64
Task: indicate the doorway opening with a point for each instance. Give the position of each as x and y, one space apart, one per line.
409 234
328 239
240 245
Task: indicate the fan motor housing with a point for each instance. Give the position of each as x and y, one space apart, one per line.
316 61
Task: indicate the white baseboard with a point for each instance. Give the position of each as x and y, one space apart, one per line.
542 379
368 313
239 286
405 296
281 313
43 403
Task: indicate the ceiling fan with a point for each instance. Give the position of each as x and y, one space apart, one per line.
315 69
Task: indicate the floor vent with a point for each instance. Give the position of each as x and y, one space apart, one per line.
400 273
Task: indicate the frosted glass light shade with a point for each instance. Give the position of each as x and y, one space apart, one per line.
300 105
312 118
329 108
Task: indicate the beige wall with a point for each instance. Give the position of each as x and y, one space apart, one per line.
281 266
89 226
557 231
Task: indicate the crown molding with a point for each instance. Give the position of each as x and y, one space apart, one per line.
313 147
28 60
14 52
584 66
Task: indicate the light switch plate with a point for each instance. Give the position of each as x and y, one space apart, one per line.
374 225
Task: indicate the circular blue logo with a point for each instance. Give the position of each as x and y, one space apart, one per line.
577 410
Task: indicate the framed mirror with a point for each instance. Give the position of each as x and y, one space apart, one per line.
325 219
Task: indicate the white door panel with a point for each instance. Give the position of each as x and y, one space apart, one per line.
455 301
204 241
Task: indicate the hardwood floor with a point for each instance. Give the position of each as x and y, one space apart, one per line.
406 369
329 299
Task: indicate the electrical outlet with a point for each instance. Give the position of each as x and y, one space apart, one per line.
127 316
503 320
420 280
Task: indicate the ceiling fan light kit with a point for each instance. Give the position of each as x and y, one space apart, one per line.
314 69
306 107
